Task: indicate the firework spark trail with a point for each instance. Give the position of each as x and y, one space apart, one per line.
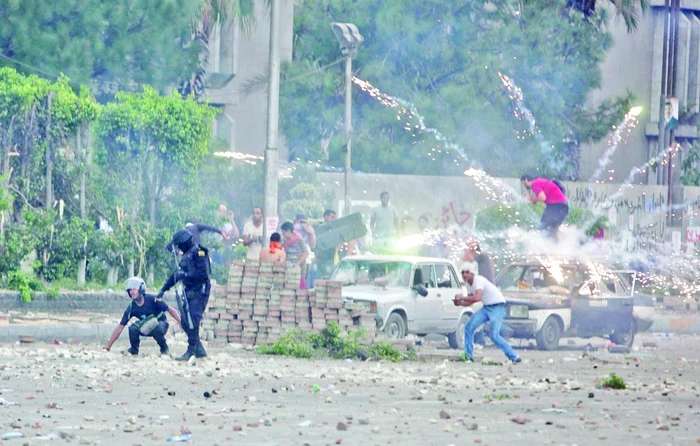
410 110
640 170
493 187
522 112
629 122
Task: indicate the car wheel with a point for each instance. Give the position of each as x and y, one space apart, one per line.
548 336
456 339
626 339
395 327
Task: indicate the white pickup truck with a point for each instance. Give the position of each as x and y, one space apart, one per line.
407 294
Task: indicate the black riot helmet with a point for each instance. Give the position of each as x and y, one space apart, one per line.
183 240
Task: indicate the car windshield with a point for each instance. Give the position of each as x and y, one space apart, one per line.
373 272
528 278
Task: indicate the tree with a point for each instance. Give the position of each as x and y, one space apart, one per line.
443 60
627 9
210 15
117 45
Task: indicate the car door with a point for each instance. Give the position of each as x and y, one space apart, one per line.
601 306
448 288
428 309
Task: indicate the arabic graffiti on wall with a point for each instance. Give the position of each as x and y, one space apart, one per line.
451 215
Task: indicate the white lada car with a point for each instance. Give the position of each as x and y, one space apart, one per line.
407 294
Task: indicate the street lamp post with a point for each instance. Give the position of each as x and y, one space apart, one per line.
273 93
350 40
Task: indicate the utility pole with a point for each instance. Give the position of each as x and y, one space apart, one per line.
348 132
667 137
673 58
350 40
273 102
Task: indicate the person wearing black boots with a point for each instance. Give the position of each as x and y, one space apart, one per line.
193 271
150 313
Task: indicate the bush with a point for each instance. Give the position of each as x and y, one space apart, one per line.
18 281
613 382
328 342
524 215
52 293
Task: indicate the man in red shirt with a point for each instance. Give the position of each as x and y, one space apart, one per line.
551 193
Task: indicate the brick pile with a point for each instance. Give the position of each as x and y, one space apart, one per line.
262 301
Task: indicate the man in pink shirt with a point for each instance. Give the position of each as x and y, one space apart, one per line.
551 193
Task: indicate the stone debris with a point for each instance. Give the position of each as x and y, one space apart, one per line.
373 400
519 420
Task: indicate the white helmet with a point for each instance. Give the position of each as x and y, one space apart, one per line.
135 283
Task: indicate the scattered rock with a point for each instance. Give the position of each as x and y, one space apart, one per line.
363 422
519 420
341 426
237 428
444 415
375 429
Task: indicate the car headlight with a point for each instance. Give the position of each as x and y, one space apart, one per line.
366 305
518 311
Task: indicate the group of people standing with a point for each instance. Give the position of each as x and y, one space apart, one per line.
293 245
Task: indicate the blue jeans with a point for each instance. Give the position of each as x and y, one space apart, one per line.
494 314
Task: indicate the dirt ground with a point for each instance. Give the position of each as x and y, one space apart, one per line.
82 395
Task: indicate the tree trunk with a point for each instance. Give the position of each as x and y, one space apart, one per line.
83 161
132 268
154 193
49 158
151 274
82 268
112 275
26 149
138 193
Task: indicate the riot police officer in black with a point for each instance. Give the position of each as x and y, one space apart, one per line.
193 271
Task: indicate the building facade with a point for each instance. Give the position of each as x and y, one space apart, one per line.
635 64
236 59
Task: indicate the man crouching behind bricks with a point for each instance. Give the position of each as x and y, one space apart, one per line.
150 313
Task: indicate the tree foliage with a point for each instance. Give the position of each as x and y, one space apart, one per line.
444 58
148 151
112 45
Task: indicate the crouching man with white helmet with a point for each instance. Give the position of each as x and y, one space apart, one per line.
151 318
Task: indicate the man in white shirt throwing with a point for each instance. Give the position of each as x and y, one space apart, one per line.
494 310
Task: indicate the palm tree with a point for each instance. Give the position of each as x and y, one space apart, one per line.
629 10
210 13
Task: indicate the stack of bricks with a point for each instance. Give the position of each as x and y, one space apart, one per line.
262 301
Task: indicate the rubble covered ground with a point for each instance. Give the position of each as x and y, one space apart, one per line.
83 395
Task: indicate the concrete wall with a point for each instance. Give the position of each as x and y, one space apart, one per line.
67 302
639 211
